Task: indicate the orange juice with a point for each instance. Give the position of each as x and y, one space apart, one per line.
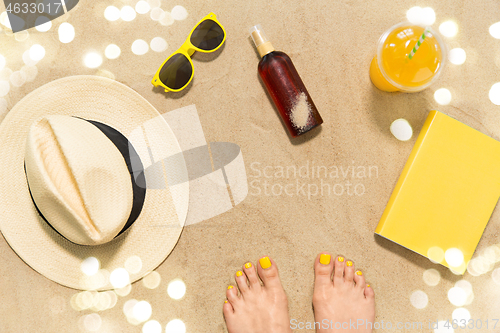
392 70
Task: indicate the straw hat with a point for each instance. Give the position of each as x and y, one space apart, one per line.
72 191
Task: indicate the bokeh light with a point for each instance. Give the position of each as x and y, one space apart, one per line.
457 56
127 13
179 13
495 275
119 278
133 264
152 326
432 277
448 29
494 93
152 280
158 44
4 19
66 32
428 16
401 129
92 60
423 16
21 35
467 288
457 296
90 266
157 14
142 7
454 257
435 254
112 51
17 78
92 322
140 47
154 3
175 326
37 52
461 314
495 30
442 96
27 59
419 299
176 289
4 88
111 13
124 291
142 311
2 62
43 24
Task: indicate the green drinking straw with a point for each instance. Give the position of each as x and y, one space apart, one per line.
420 41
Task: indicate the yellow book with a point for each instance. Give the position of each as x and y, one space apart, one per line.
445 194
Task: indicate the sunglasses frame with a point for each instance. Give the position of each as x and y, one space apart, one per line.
187 49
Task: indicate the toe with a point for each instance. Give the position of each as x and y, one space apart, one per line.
268 272
349 271
251 274
227 308
369 293
232 295
338 273
359 279
241 280
323 268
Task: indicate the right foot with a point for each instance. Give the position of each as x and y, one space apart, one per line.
343 303
258 308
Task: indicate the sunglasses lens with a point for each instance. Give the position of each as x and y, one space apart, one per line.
208 35
176 72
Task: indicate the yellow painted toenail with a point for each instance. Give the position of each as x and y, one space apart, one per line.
359 273
239 273
324 259
248 265
230 287
341 259
265 262
367 286
225 301
349 263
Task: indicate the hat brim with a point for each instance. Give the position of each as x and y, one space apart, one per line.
152 236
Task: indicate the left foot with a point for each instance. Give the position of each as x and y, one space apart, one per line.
258 308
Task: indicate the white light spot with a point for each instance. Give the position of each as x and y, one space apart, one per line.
414 15
21 35
119 278
128 307
3 106
435 254
84 300
90 266
495 30
5 74
142 7
176 289
92 60
158 44
448 29
4 19
124 291
428 16
401 129
152 326
419 299
133 264
111 13
167 19
17 78
495 93
154 3
4 88
140 47
2 62
152 280
92 322
175 326
142 311
37 52
432 277
457 56
457 296
444 326
43 24
454 257
112 51
495 275
442 96
179 13
157 14
66 32
101 302
465 286
461 314
27 59
127 13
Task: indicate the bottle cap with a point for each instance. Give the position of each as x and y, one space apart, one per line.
263 45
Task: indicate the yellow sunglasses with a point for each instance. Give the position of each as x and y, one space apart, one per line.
177 70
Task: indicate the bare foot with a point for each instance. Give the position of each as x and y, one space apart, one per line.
258 308
345 304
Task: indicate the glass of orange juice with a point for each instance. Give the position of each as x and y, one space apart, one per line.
392 69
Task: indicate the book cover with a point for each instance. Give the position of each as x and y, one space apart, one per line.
446 193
